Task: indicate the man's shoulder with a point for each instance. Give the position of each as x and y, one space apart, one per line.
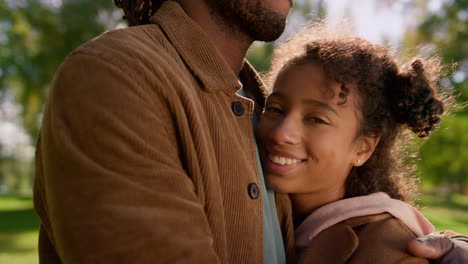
126 40
122 63
128 47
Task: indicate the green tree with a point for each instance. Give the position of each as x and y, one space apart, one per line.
444 158
446 29
35 36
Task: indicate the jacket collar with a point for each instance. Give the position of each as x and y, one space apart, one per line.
195 48
254 86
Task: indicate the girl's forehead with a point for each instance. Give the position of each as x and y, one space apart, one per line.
306 78
310 81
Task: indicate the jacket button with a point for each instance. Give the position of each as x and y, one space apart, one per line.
238 108
254 192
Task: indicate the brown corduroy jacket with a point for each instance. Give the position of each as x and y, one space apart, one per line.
146 154
368 239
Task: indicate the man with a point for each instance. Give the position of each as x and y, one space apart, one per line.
147 154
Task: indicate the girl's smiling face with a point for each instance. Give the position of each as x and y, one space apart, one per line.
308 134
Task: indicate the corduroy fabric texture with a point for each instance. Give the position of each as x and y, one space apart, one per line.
141 158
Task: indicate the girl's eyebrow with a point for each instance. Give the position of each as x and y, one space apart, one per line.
307 102
320 104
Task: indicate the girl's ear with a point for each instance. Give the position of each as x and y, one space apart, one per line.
364 147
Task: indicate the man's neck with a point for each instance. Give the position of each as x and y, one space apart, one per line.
232 47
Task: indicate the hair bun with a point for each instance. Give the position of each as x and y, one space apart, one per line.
414 99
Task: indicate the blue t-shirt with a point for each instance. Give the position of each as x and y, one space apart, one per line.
273 246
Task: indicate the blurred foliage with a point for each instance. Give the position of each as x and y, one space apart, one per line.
446 214
444 158
445 31
35 36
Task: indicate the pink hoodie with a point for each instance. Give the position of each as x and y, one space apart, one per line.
376 203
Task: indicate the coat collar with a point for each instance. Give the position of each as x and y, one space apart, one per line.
195 48
254 86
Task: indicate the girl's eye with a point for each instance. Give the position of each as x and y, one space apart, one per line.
318 120
273 109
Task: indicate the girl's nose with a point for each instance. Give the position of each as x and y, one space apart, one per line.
286 131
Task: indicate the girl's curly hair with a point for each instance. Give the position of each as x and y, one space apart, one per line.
394 99
138 12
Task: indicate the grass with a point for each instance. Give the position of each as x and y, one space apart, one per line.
18 247
446 214
18 231
19 224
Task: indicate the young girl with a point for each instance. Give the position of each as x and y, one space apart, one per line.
334 134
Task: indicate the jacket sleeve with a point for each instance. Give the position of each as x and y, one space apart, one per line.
115 188
360 241
384 242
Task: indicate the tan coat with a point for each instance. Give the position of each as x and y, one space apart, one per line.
362 240
146 153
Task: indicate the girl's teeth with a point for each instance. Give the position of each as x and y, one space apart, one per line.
275 159
282 160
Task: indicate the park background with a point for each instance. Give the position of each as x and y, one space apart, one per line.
35 36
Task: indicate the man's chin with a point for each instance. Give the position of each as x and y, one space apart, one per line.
270 36
268 33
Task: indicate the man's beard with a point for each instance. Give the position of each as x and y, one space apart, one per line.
248 17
